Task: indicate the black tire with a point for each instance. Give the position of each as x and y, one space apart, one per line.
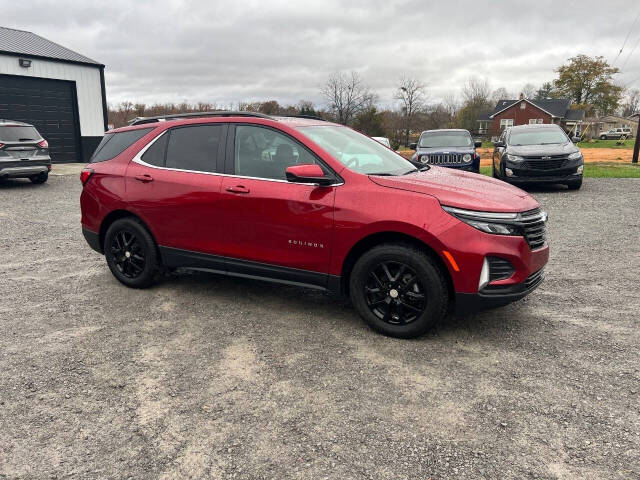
40 178
623 137
131 253
494 173
402 307
575 184
603 137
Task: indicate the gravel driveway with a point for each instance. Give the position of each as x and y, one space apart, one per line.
211 377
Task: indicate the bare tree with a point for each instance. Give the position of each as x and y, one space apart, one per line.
500 94
411 93
631 104
529 90
476 91
347 95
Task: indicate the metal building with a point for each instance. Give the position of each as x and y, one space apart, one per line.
56 89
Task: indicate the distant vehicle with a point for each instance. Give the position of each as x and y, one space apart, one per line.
537 154
453 148
23 152
326 206
383 140
616 134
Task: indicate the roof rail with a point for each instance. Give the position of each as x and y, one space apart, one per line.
310 117
175 116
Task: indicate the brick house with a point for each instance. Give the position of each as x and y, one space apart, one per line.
524 111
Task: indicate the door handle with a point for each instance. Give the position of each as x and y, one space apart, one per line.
144 178
238 189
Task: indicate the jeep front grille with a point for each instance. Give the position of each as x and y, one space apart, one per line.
442 158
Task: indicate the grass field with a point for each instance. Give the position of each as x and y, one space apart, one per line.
600 170
607 144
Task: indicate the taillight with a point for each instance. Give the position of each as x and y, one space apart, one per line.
43 144
85 175
1 145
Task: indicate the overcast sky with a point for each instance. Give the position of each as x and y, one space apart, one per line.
226 51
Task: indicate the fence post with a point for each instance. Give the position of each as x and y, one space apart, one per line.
636 147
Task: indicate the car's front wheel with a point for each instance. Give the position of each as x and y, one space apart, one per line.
399 290
131 253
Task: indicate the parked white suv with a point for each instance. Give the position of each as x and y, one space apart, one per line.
616 133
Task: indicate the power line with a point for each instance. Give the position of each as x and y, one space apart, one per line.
630 53
625 40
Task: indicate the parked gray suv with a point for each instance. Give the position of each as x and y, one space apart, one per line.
23 152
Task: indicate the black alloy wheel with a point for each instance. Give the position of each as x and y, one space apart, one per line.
129 257
131 253
394 293
399 289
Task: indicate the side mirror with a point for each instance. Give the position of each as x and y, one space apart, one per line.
308 173
477 144
498 144
575 139
413 146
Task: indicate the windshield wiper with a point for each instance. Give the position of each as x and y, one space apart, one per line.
382 174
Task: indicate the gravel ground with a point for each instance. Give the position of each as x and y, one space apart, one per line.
212 377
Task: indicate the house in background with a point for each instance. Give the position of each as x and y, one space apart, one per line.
611 122
525 111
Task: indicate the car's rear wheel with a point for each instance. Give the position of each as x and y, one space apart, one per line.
399 290
40 178
575 184
603 137
131 253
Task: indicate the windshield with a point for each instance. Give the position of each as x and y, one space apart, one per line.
445 139
358 152
538 136
10 133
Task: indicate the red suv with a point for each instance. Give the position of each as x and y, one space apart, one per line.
306 202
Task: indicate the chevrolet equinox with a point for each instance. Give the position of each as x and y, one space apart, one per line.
306 202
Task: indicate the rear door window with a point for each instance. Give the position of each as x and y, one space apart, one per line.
113 144
194 148
155 154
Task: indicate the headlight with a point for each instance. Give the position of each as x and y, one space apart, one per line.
466 157
575 155
514 158
497 223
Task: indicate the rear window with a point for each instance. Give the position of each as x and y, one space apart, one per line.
194 148
18 134
113 144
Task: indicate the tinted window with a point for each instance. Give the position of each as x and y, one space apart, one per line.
445 139
265 153
194 148
155 153
537 136
113 144
18 134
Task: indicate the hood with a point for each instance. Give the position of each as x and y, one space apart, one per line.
540 150
463 190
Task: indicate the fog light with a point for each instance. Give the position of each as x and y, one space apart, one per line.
509 172
484 274
580 169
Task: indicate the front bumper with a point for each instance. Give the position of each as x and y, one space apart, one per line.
494 296
524 174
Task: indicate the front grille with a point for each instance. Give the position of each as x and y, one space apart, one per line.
499 268
442 158
552 164
533 225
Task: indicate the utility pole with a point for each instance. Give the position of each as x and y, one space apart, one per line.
636 147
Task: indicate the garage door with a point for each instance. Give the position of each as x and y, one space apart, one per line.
48 104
